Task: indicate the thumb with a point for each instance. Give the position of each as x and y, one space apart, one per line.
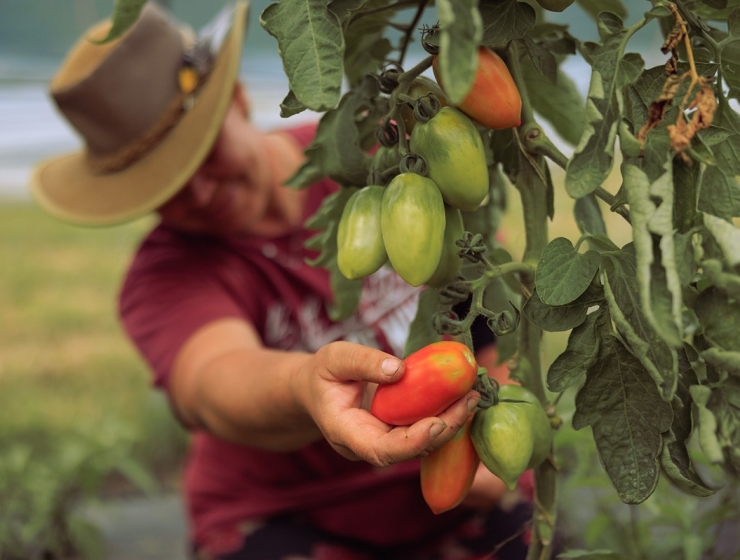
346 361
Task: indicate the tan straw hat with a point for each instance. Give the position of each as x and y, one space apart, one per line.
148 106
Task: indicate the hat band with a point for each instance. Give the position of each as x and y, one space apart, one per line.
130 153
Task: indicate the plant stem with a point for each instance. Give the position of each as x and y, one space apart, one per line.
533 192
411 28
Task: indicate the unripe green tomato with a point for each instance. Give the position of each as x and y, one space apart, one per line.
360 249
452 147
449 262
503 440
413 223
418 88
555 5
538 421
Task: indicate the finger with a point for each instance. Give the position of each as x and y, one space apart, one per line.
455 416
346 361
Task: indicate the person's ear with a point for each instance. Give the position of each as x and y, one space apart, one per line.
240 98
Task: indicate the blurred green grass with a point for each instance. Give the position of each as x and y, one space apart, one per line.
66 365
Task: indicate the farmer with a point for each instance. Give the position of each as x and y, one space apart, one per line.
285 461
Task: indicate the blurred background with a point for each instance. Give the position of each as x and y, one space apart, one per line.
90 457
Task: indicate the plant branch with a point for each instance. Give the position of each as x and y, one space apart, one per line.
411 28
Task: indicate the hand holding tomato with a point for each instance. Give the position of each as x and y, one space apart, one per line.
331 385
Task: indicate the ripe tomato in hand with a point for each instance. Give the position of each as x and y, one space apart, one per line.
447 473
435 377
494 99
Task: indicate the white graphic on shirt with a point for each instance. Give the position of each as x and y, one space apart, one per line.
388 304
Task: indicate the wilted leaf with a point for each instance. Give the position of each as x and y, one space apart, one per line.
627 415
564 274
612 71
651 213
311 45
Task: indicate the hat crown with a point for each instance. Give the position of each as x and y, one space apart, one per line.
114 93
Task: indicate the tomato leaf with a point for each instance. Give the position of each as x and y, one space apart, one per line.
365 47
311 44
593 7
335 151
558 102
462 29
346 292
505 20
581 352
727 236
686 177
623 296
675 458
704 418
723 360
720 318
421 331
618 398
612 71
562 317
563 274
125 13
651 214
720 190
588 215
725 406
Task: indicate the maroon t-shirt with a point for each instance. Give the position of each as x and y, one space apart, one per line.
180 282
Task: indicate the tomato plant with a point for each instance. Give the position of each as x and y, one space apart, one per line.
652 357
434 377
447 473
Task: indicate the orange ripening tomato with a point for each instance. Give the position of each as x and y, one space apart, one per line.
435 376
447 473
494 99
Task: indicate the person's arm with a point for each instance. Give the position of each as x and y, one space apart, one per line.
224 381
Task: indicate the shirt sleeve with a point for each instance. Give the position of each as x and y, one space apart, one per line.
164 299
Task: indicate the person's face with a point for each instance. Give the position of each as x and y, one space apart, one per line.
231 190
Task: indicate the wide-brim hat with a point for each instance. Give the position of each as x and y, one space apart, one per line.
148 105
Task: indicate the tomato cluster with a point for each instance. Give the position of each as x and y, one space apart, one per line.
508 438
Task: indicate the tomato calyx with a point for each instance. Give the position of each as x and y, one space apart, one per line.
430 39
387 134
388 78
426 107
413 163
505 322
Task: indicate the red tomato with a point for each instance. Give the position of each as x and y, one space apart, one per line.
435 377
447 473
494 99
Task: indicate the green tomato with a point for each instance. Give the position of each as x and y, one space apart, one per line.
419 87
413 223
452 147
538 421
449 262
512 437
360 249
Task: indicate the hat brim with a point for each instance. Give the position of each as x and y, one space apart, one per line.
67 188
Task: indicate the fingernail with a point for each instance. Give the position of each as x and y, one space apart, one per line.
390 366
472 403
436 429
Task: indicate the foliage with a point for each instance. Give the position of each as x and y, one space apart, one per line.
654 347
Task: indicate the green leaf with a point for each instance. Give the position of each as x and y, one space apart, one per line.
580 354
612 71
686 177
720 318
594 7
346 292
311 44
542 59
651 214
563 317
588 215
720 190
559 103
623 296
421 331
125 13
335 150
723 360
730 63
564 274
727 236
675 458
462 30
733 23
366 49
504 21
627 415
291 106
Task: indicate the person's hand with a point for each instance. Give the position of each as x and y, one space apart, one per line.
331 387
